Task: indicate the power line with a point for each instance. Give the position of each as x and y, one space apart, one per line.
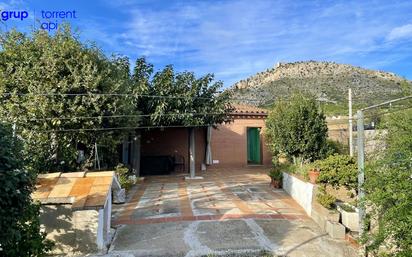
122 95
121 128
121 116
386 103
160 126
330 121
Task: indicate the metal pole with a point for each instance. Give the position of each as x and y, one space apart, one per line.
361 169
350 124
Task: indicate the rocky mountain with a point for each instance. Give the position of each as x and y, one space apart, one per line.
328 81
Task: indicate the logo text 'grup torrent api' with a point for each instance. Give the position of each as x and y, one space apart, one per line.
49 20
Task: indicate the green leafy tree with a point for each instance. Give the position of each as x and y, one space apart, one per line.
191 101
19 217
297 128
388 187
55 126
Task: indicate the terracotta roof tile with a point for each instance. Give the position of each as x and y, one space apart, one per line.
61 190
82 190
97 196
249 109
82 187
44 187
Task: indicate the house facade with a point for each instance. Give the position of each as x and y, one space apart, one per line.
236 144
241 143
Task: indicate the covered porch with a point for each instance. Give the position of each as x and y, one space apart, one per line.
168 151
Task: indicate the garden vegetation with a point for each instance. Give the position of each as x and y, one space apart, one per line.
63 97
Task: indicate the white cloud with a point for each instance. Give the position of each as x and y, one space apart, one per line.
235 39
402 32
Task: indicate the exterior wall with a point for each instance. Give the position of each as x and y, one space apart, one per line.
171 141
300 191
229 143
74 232
338 129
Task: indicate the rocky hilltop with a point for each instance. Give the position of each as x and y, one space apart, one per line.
328 81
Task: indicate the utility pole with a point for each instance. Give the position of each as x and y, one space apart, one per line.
361 167
350 124
361 161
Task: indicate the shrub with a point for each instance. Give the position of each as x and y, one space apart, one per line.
276 174
333 147
298 129
122 174
338 170
325 199
19 217
388 187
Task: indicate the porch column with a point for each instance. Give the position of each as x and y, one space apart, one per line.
192 155
138 151
208 157
135 153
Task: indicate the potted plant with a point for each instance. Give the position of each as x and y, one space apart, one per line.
313 174
276 178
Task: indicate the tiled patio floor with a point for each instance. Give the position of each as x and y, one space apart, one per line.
222 194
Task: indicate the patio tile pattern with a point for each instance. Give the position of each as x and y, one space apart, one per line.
223 194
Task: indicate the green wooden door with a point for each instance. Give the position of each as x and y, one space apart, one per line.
253 145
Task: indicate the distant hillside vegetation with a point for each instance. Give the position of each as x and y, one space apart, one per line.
328 81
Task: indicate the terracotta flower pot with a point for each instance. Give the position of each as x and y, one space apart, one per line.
275 183
313 175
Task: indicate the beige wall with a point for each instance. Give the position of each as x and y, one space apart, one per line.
338 129
74 232
229 143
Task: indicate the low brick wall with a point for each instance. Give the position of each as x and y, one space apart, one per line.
299 190
304 194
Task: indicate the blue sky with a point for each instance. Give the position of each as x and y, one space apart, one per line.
236 39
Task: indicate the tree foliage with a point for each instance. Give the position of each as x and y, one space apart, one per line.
388 187
60 64
19 217
297 128
178 98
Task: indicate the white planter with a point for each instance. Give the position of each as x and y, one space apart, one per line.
350 219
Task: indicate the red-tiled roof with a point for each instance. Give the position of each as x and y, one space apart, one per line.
249 109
